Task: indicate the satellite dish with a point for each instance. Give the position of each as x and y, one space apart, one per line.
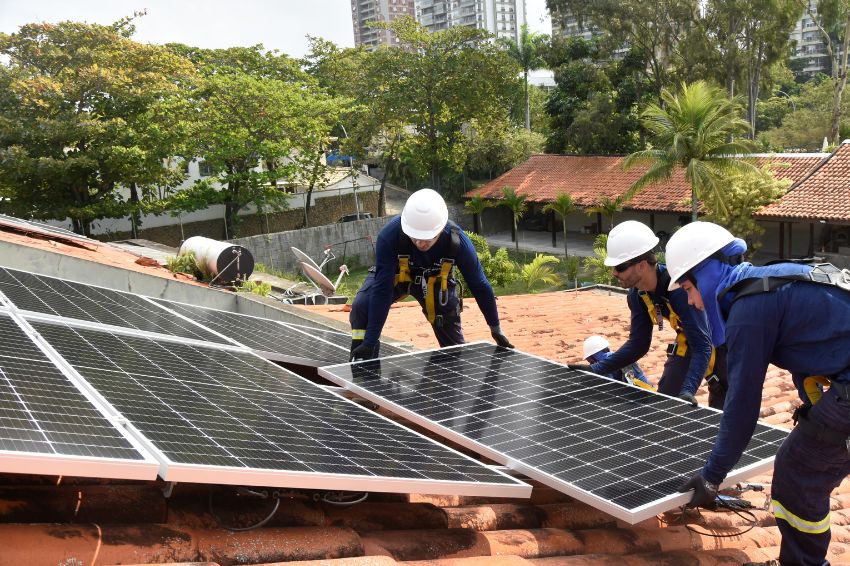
302 257
318 278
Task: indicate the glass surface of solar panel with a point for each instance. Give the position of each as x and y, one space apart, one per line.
264 335
203 406
59 297
42 412
591 436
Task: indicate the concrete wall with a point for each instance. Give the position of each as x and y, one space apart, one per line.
52 264
352 243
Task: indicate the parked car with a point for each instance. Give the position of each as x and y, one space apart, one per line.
354 216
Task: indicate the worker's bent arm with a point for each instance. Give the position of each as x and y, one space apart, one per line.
640 337
473 274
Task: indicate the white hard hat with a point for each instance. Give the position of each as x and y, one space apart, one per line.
690 245
627 240
424 215
594 344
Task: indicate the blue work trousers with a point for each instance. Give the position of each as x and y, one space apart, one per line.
806 471
446 327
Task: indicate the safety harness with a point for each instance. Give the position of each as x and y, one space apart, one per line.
813 386
680 347
427 278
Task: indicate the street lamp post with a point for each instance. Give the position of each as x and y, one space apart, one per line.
791 100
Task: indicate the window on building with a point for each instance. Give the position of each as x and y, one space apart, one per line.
205 169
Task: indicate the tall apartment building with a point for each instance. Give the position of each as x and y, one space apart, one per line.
566 25
365 11
810 54
503 18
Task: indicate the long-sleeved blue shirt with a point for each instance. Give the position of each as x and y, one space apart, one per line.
693 323
386 267
801 327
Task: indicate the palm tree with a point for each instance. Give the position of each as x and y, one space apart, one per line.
528 54
517 205
695 130
476 206
562 205
540 272
608 207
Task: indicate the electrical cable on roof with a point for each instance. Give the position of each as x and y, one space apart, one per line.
738 506
262 494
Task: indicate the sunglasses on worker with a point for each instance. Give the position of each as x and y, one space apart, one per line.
627 264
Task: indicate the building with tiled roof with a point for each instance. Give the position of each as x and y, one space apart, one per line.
47 520
589 179
820 199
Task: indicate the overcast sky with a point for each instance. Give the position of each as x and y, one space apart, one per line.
277 24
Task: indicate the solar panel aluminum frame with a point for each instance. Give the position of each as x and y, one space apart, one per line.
125 331
197 473
81 466
274 356
639 514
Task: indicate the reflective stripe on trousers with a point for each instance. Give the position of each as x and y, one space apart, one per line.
806 471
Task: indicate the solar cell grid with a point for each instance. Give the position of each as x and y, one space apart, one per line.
58 297
231 410
622 448
43 413
270 338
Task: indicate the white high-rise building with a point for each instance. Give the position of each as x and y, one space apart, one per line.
503 18
366 11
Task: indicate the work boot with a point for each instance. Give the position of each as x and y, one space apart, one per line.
768 563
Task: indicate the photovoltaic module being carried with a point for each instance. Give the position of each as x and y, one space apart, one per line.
622 449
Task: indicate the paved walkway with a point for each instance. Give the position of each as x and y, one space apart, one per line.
541 242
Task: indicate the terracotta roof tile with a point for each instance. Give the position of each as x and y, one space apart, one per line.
589 178
824 194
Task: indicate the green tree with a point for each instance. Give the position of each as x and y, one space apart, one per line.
527 54
747 37
86 112
832 18
476 205
608 207
517 205
655 30
498 147
539 272
694 131
439 82
747 193
563 205
260 119
595 264
594 107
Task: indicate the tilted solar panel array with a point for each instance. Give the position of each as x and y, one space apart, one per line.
209 411
68 299
623 449
46 423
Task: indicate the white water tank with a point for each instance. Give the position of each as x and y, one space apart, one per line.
219 260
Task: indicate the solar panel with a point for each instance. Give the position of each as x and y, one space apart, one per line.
48 426
218 416
269 338
620 448
275 340
68 299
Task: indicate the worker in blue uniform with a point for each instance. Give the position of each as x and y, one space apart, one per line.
596 348
798 318
691 357
416 254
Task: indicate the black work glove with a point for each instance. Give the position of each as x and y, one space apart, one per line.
705 493
501 339
689 397
364 352
580 367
